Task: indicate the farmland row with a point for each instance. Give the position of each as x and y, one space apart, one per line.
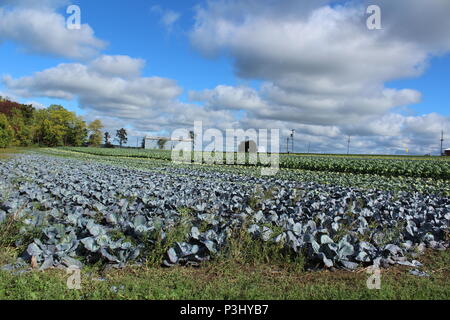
361 181
436 169
83 212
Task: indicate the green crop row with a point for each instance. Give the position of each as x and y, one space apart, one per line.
385 167
435 169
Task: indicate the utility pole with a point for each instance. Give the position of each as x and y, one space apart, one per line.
348 145
287 145
292 139
442 142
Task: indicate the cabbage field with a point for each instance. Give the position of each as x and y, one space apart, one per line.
426 167
119 207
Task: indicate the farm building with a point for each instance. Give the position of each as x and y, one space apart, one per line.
447 152
163 143
248 146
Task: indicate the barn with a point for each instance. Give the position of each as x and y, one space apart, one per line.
163 143
447 152
248 146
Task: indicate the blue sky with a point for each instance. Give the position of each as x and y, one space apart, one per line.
434 85
261 75
136 30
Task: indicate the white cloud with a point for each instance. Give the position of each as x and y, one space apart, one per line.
228 97
102 91
330 49
323 72
118 94
275 103
392 133
119 66
322 69
168 18
40 30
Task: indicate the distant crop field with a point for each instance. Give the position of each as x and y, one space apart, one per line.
373 156
430 167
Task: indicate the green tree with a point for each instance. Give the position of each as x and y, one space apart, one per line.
23 135
95 138
77 132
20 118
48 129
51 134
6 132
161 143
121 136
56 126
61 120
107 138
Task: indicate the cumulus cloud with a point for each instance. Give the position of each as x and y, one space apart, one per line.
321 66
41 30
330 50
281 41
228 97
111 87
119 66
322 72
97 88
423 23
274 103
389 134
168 18
418 133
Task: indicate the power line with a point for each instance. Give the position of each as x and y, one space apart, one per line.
442 142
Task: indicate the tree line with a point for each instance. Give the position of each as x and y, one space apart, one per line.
23 126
